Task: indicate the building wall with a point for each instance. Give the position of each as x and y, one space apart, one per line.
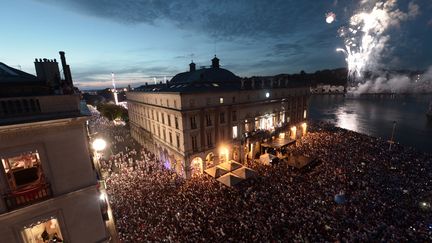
246 104
78 214
62 147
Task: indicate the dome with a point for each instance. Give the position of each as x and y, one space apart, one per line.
206 75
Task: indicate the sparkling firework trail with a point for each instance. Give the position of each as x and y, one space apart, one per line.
365 37
330 17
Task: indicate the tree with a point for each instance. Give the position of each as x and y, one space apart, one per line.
112 112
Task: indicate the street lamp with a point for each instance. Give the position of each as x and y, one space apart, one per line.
391 141
99 144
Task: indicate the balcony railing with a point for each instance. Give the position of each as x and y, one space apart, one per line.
25 197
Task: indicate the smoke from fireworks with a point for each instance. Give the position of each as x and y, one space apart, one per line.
365 37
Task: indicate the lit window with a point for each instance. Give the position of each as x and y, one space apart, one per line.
234 132
267 94
304 114
46 231
221 100
23 169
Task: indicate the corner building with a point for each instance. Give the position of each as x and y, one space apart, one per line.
48 184
205 116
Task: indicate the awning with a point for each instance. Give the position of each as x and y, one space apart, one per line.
278 143
230 165
244 173
229 179
216 172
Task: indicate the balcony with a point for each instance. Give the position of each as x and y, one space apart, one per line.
27 196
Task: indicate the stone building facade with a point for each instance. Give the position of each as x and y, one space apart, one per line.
205 116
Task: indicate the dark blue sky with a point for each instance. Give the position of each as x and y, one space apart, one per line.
138 40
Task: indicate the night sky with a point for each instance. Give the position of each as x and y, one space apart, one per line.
138 40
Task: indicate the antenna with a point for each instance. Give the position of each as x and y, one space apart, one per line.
114 89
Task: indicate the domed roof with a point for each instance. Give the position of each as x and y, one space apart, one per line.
206 75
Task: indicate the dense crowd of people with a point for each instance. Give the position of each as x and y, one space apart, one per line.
387 194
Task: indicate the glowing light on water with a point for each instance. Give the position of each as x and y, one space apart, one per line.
347 120
330 17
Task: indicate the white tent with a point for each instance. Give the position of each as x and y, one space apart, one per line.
230 166
216 171
229 179
244 173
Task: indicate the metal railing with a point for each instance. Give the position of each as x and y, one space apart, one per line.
25 197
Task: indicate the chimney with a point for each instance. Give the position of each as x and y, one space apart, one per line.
192 67
215 62
66 69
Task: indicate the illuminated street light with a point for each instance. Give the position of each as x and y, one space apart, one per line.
102 196
304 128
99 144
267 94
223 151
293 132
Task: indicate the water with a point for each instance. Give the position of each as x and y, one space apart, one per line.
374 115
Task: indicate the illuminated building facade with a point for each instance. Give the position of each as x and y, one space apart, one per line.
205 116
48 185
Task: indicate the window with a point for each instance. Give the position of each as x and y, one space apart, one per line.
234 132
233 99
304 114
164 134
178 140
192 102
169 119
170 138
222 117
234 116
221 100
163 117
209 139
193 122
194 143
176 123
47 230
23 169
167 103
208 120
175 103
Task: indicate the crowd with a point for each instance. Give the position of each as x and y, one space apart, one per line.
383 190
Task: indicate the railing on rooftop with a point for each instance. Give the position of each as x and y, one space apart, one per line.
16 107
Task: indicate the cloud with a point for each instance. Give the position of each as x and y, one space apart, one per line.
223 19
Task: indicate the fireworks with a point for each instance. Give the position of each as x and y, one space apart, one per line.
330 17
365 38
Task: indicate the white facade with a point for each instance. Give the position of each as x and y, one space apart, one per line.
190 131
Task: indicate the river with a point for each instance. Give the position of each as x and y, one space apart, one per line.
375 115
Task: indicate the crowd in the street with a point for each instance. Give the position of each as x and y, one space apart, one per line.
384 192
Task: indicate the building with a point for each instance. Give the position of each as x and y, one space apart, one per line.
205 116
48 183
327 89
